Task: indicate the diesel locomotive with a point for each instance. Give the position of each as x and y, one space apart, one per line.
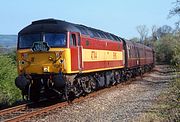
63 59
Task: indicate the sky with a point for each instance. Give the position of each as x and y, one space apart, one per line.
120 17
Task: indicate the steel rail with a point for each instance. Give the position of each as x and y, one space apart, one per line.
13 109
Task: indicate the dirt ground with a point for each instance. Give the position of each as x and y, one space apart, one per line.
125 103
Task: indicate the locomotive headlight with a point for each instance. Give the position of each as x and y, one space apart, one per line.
45 69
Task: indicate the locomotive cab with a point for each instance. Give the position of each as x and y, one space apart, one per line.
41 60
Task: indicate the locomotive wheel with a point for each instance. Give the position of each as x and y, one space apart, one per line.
71 96
78 89
93 84
127 77
87 87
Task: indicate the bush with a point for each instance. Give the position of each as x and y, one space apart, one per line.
164 49
168 49
176 51
8 72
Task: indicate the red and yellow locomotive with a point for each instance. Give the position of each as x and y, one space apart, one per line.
65 59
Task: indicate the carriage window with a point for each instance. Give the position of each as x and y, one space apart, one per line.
73 40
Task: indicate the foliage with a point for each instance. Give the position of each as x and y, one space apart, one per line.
176 9
168 49
163 31
135 39
176 88
163 49
176 51
8 93
12 55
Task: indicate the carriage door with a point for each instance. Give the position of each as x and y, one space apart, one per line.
76 51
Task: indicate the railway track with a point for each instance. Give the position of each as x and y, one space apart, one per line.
30 112
13 111
26 111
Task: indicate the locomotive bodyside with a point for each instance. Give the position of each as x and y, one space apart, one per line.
101 55
95 54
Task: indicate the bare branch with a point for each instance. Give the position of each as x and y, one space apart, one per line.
143 32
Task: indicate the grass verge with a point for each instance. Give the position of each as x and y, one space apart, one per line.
167 105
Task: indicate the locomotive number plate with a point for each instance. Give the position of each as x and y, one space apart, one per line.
40 46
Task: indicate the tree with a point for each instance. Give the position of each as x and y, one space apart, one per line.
168 49
175 11
143 32
154 33
135 39
176 51
164 48
164 30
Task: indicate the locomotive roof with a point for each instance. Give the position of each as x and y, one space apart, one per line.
58 26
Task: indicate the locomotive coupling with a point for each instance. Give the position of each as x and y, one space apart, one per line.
22 81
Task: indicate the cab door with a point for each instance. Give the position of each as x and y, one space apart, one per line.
76 51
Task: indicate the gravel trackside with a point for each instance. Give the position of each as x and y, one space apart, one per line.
123 103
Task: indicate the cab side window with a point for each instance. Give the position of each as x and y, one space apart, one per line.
73 40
